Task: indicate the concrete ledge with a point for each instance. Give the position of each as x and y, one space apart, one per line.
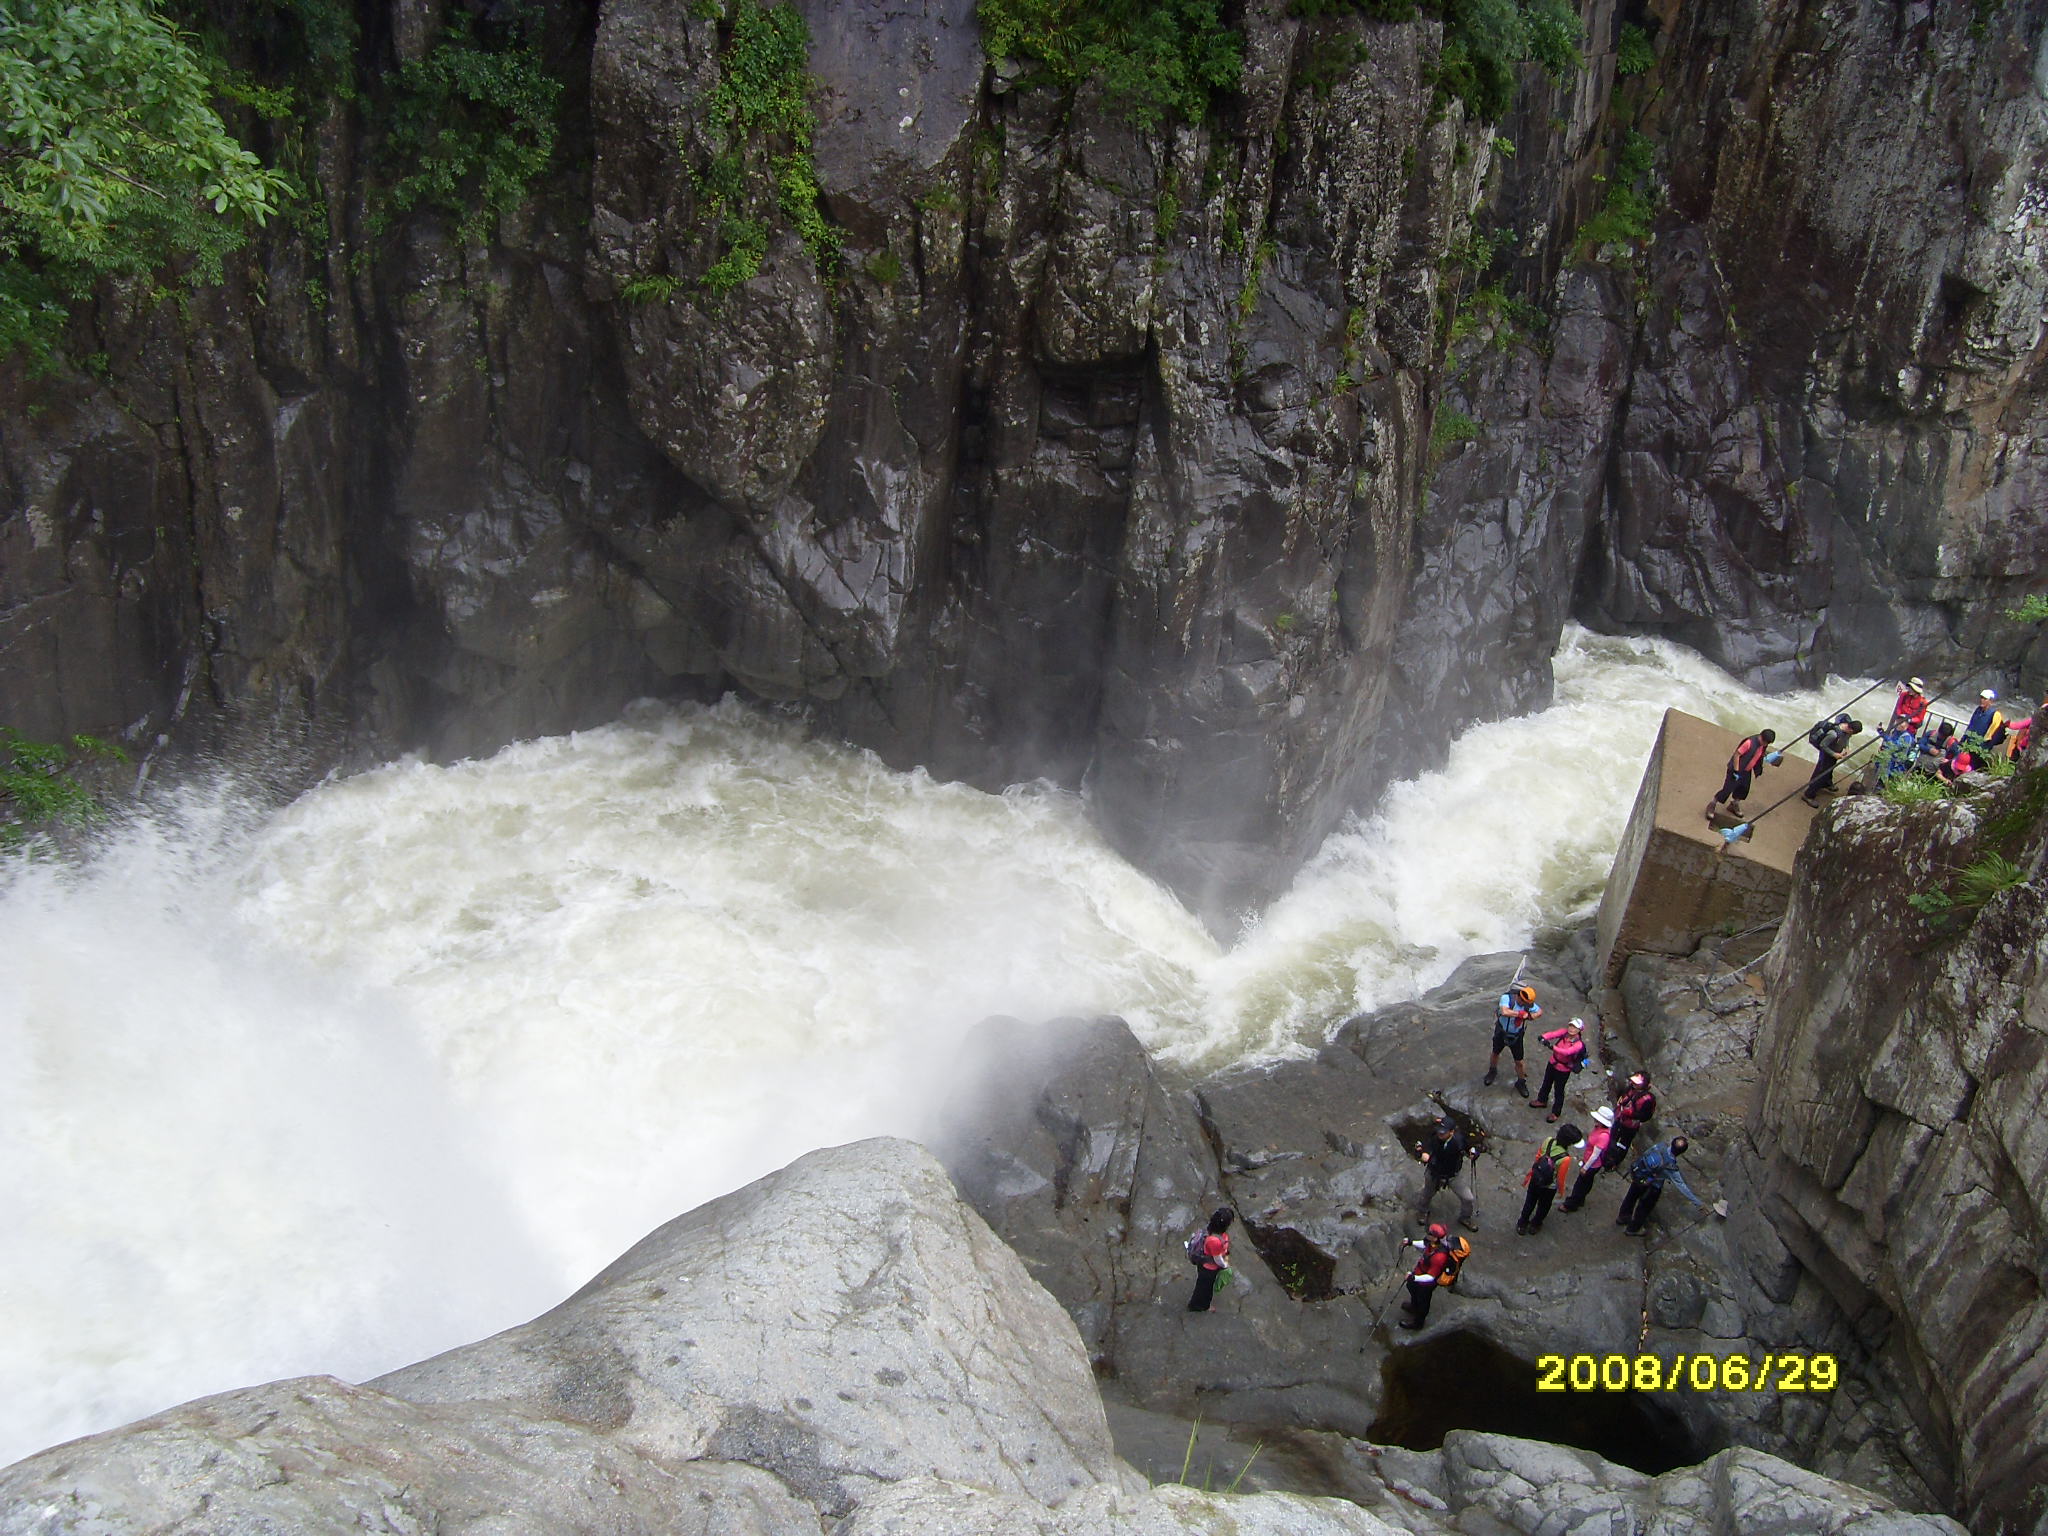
1675 879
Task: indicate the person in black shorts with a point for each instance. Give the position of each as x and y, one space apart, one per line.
1511 1016
1751 753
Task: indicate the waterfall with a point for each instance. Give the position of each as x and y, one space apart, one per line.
330 1088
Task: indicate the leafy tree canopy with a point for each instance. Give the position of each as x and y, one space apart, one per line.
113 161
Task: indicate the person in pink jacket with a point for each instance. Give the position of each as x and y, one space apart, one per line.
1567 1055
1592 1158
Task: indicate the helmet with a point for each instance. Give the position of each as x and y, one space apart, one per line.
1678 1145
1438 1230
1578 1024
1988 695
1603 1116
1525 992
1915 684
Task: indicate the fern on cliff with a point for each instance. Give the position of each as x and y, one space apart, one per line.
761 109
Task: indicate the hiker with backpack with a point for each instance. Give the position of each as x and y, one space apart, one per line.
1830 741
1442 1257
1511 1016
1447 1159
1633 1107
1209 1252
1747 764
1592 1158
1567 1055
1546 1178
1647 1176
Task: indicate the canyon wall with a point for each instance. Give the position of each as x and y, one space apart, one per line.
1217 468
1895 1138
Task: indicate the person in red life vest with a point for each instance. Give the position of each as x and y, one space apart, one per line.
1592 1158
1511 1016
1910 712
1633 1107
1567 1055
1434 1271
1210 1253
1546 1178
1744 767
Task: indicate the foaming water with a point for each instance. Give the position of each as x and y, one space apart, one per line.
1516 833
330 1089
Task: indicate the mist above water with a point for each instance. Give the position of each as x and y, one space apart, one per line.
333 1088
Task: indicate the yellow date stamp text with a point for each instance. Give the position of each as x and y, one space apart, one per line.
1793 1372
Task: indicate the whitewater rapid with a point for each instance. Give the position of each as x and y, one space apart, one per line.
331 1088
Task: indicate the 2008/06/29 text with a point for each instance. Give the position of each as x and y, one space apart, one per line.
1696 1373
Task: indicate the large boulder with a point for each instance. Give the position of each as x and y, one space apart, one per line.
837 1326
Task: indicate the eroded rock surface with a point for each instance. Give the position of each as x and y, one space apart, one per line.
1154 460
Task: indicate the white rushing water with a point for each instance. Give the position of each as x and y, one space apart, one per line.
332 1088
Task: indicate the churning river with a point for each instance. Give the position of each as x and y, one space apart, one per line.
330 1088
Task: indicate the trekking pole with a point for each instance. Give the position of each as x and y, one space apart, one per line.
1732 835
1718 1208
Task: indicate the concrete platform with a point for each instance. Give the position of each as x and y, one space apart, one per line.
1675 879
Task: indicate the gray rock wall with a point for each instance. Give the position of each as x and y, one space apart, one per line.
1101 454
1896 1129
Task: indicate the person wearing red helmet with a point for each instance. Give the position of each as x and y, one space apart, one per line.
1435 1270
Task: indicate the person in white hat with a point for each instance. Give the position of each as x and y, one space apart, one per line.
1592 1158
1567 1055
1987 724
1910 712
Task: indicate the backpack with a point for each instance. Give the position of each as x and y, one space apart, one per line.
1819 734
1458 1251
1198 1246
1651 1167
1545 1167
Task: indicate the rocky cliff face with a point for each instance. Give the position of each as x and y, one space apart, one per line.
1896 1130
1097 452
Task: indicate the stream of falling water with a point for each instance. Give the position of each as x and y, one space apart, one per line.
331 1088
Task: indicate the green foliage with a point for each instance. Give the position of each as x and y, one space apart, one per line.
1157 60
1624 218
1330 58
1913 789
886 268
1973 887
1986 878
2031 611
473 122
113 161
1485 39
1248 295
1998 766
39 789
1166 216
649 288
1451 427
760 111
1492 307
1633 54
